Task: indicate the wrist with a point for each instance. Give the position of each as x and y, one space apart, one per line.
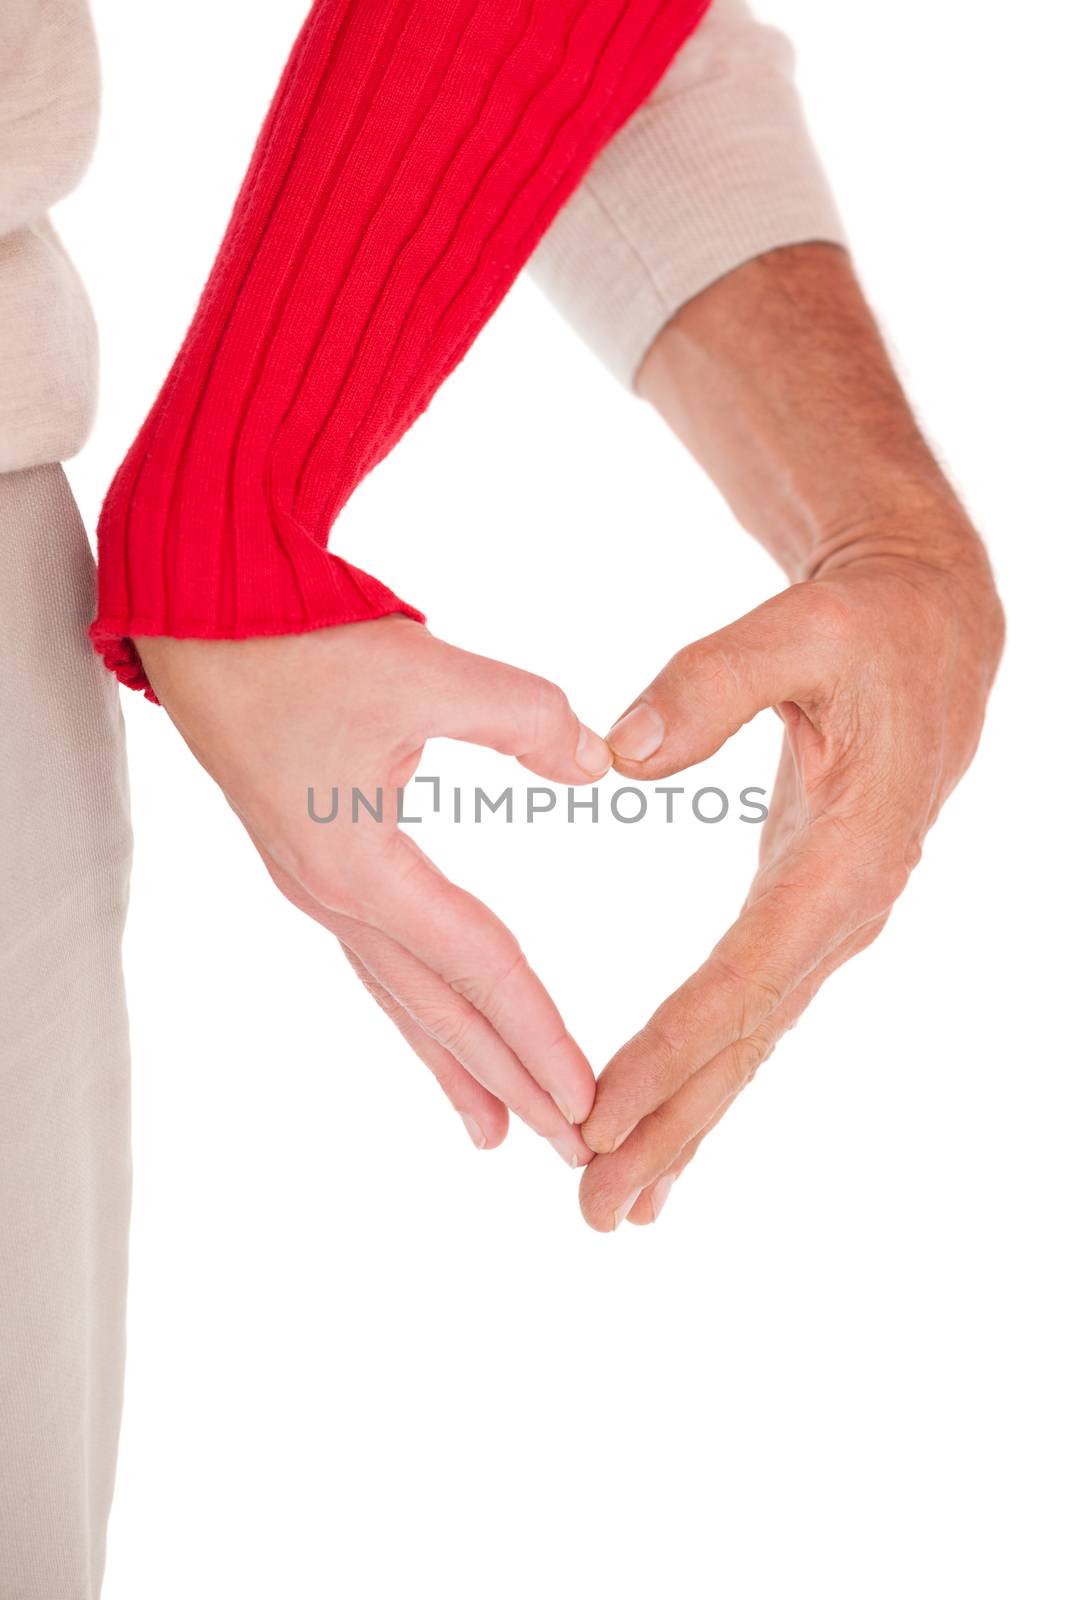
931 546
908 521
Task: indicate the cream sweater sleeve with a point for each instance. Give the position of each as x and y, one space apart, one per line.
48 111
716 167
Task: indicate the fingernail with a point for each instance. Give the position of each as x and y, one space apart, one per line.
638 734
478 1139
620 1216
564 1110
565 1151
657 1197
592 754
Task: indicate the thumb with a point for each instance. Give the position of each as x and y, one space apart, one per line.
713 687
487 702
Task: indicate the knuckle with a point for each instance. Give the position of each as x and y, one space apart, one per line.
750 1054
696 674
338 883
665 1041
912 855
483 989
693 661
880 883
827 612
753 996
387 1002
894 878
867 934
326 887
343 900
294 888
653 1063
871 869
450 1028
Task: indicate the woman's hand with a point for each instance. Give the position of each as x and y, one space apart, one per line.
879 668
352 707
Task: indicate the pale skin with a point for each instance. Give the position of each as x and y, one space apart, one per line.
270 717
878 658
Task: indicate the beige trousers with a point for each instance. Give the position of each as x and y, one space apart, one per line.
64 1068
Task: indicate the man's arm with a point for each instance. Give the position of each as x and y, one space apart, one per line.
879 658
715 168
779 383
703 259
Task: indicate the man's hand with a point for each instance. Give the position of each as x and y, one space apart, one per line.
880 671
353 707
879 661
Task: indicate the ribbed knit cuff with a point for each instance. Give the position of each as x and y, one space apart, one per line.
715 168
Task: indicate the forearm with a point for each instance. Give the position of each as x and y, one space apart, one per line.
777 379
414 153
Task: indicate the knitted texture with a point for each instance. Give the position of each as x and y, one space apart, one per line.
414 154
716 167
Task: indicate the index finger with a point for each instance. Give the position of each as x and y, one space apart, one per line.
402 893
808 901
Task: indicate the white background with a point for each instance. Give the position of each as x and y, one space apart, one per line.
368 1360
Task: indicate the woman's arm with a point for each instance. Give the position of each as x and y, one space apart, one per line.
414 154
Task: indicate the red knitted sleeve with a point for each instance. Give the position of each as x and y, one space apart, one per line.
414 153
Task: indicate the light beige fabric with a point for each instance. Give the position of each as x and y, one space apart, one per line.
49 89
716 167
64 862
64 1107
